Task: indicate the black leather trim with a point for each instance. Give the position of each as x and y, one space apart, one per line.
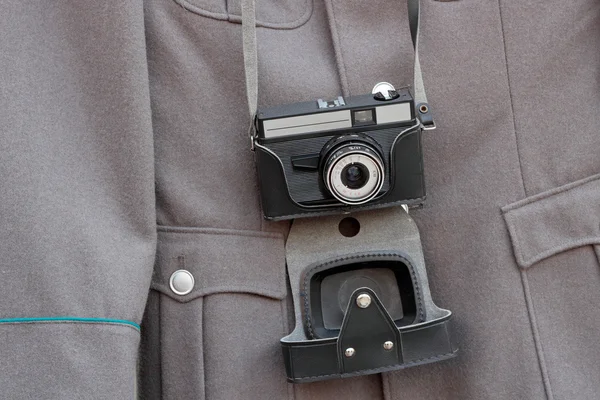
365 330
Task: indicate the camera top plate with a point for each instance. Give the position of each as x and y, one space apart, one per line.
289 120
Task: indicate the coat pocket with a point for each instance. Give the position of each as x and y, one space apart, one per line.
275 14
220 340
556 241
555 221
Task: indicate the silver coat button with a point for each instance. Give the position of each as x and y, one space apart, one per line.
181 282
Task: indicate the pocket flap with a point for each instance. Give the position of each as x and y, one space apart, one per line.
554 221
275 14
221 260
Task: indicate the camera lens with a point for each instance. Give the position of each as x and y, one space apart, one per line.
355 176
353 172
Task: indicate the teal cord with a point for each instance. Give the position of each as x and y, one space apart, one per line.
70 319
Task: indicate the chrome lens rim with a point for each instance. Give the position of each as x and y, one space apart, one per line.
346 195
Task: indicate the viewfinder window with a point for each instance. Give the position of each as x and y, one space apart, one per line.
363 117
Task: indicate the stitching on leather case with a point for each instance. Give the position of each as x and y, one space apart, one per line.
303 19
325 265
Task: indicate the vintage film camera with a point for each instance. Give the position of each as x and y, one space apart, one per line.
361 296
327 157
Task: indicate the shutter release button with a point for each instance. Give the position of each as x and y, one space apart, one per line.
181 282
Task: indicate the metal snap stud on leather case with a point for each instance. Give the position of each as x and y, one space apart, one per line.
362 302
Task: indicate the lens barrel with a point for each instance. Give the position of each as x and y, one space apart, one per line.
353 172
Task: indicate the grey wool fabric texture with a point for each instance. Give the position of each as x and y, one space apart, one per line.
124 157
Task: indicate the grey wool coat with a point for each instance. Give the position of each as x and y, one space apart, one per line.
124 157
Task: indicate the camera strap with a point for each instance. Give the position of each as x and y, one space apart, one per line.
251 62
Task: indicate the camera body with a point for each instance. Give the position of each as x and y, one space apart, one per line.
331 157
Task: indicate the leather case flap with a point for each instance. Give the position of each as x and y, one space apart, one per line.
554 221
221 260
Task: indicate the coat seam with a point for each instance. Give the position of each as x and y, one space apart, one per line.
256 290
552 193
536 335
510 95
218 231
528 299
203 322
160 346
